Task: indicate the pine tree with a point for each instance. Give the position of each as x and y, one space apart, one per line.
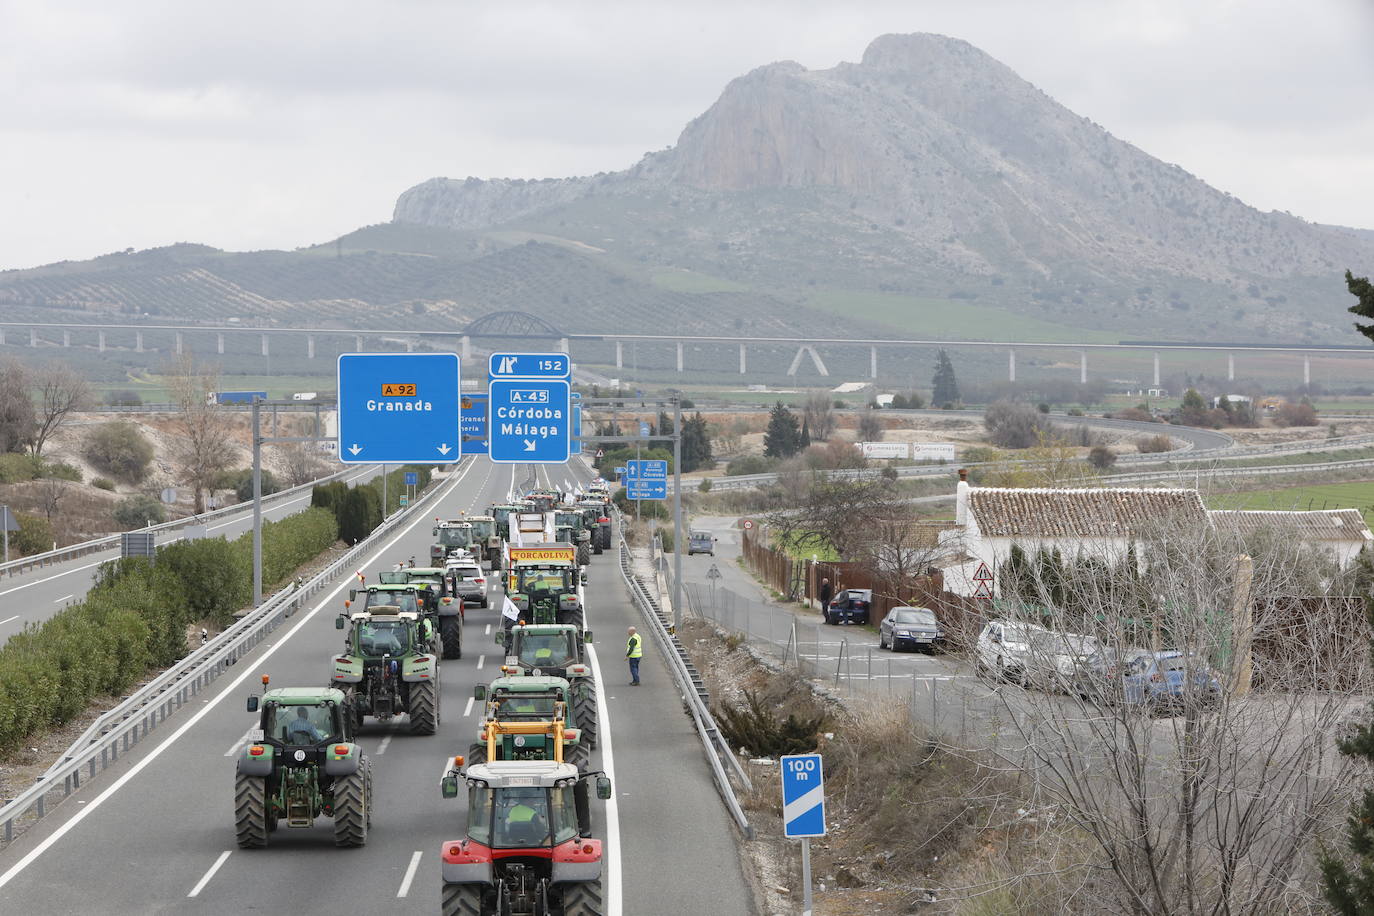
782 439
1363 290
944 386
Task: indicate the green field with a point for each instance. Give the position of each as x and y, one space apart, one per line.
1353 495
926 318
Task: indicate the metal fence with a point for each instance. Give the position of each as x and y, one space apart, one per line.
115 732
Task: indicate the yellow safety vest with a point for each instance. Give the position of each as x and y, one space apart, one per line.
633 647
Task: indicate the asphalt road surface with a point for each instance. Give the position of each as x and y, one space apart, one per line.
156 834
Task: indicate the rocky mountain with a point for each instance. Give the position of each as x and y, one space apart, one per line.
930 169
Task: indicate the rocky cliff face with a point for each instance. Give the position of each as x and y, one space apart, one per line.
969 170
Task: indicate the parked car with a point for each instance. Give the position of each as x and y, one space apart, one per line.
1168 682
914 627
701 542
849 606
1004 649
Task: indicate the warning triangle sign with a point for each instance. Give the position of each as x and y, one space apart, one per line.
983 591
983 574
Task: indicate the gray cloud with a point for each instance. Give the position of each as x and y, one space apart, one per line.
253 124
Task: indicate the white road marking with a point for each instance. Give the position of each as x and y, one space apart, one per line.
381 748
480 660
60 600
8 619
229 690
410 874
467 710
603 738
200 885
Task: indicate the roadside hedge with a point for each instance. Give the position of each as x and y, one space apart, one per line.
136 615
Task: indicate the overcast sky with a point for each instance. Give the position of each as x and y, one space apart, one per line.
276 124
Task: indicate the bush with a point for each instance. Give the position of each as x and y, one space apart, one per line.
15 468
139 511
103 483
120 450
61 471
1153 444
750 464
34 534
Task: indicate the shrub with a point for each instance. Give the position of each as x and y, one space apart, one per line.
139 511
1152 444
15 467
34 534
103 483
120 450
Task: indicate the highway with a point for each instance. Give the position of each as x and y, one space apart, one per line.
156 833
34 596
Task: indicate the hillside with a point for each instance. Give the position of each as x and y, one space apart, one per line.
930 169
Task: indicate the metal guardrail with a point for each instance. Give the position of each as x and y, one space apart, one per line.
717 750
122 727
73 551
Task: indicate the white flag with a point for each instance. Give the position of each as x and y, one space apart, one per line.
509 610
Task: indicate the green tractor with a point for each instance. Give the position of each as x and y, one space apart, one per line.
547 592
525 720
386 668
558 651
301 764
524 853
438 604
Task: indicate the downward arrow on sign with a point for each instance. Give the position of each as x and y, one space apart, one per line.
355 449
444 448
529 445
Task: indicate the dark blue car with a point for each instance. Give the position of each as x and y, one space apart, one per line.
850 606
1168 681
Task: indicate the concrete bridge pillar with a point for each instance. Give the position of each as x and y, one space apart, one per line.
1156 370
620 354
873 362
1011 365
310 346
1230 367
1083 367
743 360
679 356
138 341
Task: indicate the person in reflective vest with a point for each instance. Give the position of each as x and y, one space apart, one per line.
634 650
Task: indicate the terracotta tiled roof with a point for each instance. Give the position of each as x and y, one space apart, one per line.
1028 512
1317 525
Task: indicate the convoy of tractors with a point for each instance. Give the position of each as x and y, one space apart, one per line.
527 773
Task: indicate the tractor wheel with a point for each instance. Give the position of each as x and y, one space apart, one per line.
352 806
584 712
451 631
424 708
477 754
583 899
250 811
461 900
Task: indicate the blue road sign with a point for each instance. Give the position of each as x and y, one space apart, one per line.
398 408
473 423
412 479
529 365
646 479
803 796
531 421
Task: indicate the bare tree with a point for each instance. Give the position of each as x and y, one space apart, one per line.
61 390
820 420
202 428
1203 775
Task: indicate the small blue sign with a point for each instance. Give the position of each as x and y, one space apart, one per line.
531 421
529 365
398 408
412 479
646 479
803 796
473 423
